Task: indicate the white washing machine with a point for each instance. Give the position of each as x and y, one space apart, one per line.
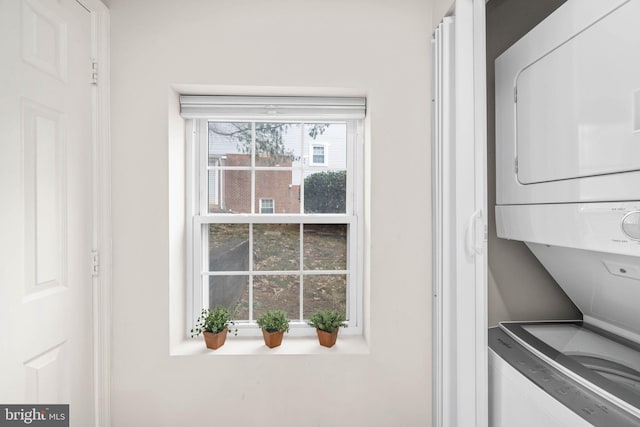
568 185
567 374
579 373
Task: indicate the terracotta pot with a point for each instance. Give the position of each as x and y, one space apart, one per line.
214 341
327 339
272 339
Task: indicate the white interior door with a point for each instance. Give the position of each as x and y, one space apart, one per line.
45 189
460 224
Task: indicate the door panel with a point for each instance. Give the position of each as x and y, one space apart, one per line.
45 223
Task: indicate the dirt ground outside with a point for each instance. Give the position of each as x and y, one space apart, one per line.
276 248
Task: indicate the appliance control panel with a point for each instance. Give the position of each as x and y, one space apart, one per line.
631 225
612 227
587 404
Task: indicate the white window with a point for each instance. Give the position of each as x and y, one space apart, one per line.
267 206
318 155
247 158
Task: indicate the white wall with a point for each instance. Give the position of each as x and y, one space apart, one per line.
441 8
374 48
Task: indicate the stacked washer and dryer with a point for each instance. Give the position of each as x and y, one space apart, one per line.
568 185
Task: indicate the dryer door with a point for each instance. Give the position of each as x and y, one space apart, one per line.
578 107
568 107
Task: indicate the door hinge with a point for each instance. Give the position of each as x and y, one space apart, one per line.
515 165
94 73
515 94
95 263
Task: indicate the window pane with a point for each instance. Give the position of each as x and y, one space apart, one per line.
229 144
325 192
325 246
318 155
267 206
278 186
325 292
276 247
332 137
229 191
231 292
228 247
276 293
278 144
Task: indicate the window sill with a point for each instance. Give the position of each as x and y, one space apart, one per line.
255 346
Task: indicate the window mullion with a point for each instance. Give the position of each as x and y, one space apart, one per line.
251 317
253 167
191 199
253 211
203 163
302 168
275 219
204 263
203 208
351 163
301 276
356 236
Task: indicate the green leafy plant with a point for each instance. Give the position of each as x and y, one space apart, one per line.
325 192
213 321
327 320
274 321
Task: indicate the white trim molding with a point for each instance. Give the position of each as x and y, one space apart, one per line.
101 207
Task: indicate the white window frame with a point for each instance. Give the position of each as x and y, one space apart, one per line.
198 217
273 204
312 161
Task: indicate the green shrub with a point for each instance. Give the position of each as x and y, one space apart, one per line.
325 192
274 321
327 320
213 321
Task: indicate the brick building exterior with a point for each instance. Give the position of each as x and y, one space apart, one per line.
276 185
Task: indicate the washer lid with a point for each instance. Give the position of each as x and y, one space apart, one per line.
577 397
605 362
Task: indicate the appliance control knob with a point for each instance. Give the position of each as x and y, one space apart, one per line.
631 225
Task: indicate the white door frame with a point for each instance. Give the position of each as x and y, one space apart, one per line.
101 212
460 243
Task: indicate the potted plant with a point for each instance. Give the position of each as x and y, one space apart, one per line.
214 325
274 324
327 324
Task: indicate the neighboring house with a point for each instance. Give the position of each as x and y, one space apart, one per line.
276 191
230 191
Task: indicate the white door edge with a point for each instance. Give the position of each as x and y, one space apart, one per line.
480 138
101 211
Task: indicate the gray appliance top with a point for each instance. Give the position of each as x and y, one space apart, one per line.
582 400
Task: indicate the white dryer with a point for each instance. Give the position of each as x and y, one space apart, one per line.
568 185
568 107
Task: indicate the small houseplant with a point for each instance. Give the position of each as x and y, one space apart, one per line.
214 325
327 324
274 324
